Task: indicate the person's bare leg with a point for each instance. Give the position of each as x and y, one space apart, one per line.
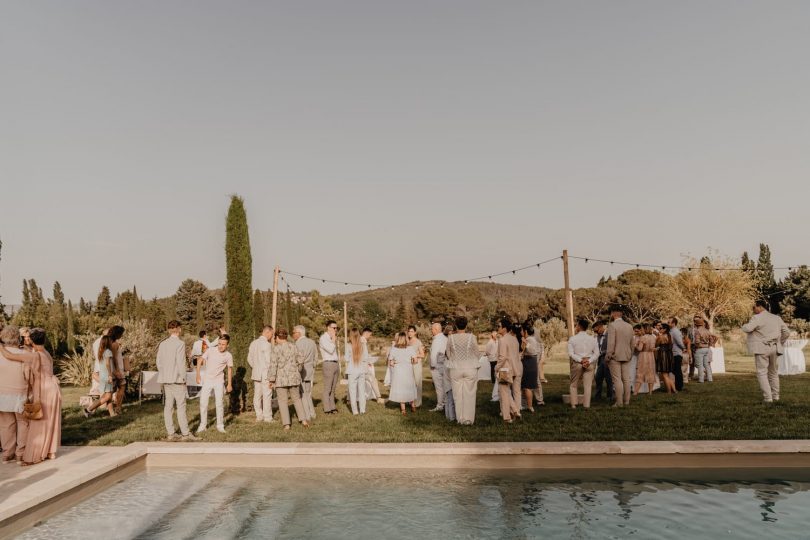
529 395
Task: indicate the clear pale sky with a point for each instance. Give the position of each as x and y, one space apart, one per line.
392 141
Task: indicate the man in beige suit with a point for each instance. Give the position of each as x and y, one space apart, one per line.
767 334
13 393
619 354
509 361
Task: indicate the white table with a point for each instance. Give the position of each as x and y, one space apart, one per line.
792 362
484 373
718 360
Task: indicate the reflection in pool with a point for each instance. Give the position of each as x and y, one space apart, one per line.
426 504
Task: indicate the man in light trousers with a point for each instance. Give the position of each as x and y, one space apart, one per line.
308 351
767 334
171 365
259 361
438 355
619 354
331 368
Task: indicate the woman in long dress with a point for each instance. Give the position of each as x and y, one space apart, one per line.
462 362
645 371
401 360
664 359
44 434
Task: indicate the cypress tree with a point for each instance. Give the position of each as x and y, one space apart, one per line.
258 312
239 283
103 302
71 330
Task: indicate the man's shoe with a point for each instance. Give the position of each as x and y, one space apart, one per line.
437 409
190 438
221 429
174 437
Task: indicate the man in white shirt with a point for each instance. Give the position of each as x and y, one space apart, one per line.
331 368
259 361
438 355
583 350
212 379
171 365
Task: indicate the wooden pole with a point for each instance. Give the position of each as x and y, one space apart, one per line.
275 297
569 296
345 328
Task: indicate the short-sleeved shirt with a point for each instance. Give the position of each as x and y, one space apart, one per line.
215 364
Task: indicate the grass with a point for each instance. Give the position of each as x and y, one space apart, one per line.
728 409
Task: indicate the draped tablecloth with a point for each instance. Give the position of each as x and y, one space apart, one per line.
718 360
793 362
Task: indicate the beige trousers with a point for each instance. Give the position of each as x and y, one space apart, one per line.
586 376
509 396
262 401
284 393
417 376
538 392
465 387
175 394
8 434
620 374
768 375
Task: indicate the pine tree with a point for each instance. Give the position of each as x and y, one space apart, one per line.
766 282
103 302
55 325
199 319
239 275
71 330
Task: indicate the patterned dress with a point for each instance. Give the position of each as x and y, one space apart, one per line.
645 371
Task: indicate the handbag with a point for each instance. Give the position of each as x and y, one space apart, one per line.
32 410
504 376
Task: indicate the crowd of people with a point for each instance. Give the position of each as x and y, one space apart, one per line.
30 398
621 359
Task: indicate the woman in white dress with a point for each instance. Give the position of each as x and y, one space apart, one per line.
403 384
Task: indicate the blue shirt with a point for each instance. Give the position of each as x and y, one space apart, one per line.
677 342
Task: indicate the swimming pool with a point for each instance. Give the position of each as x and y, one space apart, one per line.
205 503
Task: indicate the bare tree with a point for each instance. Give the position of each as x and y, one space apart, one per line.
713 287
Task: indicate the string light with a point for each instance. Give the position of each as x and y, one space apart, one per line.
664 267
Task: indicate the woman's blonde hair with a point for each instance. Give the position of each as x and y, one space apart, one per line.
401 340
357 349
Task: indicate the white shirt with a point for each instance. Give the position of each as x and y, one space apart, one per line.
328 348
583 346
197 347
438 350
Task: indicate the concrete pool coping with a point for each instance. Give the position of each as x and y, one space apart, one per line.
31 494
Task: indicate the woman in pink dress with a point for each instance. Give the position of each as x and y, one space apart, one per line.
45 434
645 371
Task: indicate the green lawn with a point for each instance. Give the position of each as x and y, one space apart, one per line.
730 408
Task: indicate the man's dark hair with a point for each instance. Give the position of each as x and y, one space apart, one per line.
674 321
116 332
506 323
225 337
330 322
583 324
411 327
762 303
599 323
461 323
638 327
281 333
172 325
617 308
367 329
37 336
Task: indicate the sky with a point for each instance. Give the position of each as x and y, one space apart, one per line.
386 142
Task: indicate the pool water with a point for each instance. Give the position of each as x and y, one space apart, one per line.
426 504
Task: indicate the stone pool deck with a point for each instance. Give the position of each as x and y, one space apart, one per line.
31 494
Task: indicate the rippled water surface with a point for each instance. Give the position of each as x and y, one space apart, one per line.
425 504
